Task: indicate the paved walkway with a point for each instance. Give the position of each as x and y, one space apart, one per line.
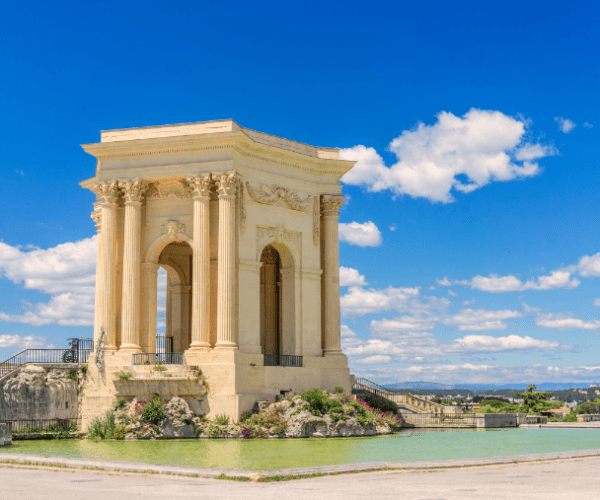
574 478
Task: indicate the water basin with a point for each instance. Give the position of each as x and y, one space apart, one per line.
405 446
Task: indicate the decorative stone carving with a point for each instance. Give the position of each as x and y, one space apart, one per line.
269 195
172 229
96 216
269 255
242 207
133 190
316 221
279 234
167 189
199 185
226 183
107 191
331 204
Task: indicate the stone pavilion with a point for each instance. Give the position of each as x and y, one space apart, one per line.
246 226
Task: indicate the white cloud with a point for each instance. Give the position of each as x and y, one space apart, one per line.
66 272
565 321
588 125
597 302
351 277
498 284
373 360
485 343
481 319
20 342
392 227
589 266
404 323
481 146
452 294
363 235
358 301
564 124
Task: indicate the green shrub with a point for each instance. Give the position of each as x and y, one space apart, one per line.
570 417
125 375
102 428
47 369
120 403
119 432
84 369
222 420
154 410
159 367
197 431
338 389
203 418
73 375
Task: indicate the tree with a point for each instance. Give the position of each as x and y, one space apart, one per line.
533 401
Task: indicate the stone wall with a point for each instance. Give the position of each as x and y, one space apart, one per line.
588 418
39 392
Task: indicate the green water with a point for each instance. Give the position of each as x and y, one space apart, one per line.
406 446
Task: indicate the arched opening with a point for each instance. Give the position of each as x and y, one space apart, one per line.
174 298
270 301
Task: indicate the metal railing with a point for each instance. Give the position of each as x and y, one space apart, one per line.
39 426
438 419
153 358
283 360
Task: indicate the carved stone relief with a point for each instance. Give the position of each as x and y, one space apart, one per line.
270 195
280 234
242 211
172 229
316 221
167 189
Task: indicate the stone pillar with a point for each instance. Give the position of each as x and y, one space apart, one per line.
330 205
226 186
149 283
107 196
200 186
133 191
97 217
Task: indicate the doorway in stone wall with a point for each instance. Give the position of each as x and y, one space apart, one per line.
270 304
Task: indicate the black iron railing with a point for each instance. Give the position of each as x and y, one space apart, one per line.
78 352
283 360
38 426
153 358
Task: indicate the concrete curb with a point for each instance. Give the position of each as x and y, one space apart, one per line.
296 473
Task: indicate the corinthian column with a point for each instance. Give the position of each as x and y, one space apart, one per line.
133 191
330 205
107 197
200 186
97 217
226 186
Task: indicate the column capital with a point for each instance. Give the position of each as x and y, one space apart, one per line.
331 204
133 190
96 216
107 192
199 185
226 184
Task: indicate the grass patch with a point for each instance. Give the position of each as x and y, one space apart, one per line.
233 478
269 479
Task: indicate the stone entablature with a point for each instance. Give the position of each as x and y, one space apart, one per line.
204 201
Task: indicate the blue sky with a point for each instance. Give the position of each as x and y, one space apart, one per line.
470 230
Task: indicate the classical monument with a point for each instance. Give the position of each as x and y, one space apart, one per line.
246 226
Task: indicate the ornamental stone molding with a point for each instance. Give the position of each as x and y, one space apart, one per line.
279 234
316 221
172 229
269 195
242 202
107 192
331 204
200 185
96 216
170 188
133 190
226 183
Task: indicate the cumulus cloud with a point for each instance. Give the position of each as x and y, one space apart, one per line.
19 342
359 301
498 284
565 321
588 125
66 272
452 294
403 324
363 235
597 302
373 360
351 277
460 153
589 266
564 124
481 319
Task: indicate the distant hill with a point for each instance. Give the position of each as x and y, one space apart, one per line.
546 386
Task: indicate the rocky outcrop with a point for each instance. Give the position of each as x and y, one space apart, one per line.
40 392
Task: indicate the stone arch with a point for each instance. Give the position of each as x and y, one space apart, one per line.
289 254
159 244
